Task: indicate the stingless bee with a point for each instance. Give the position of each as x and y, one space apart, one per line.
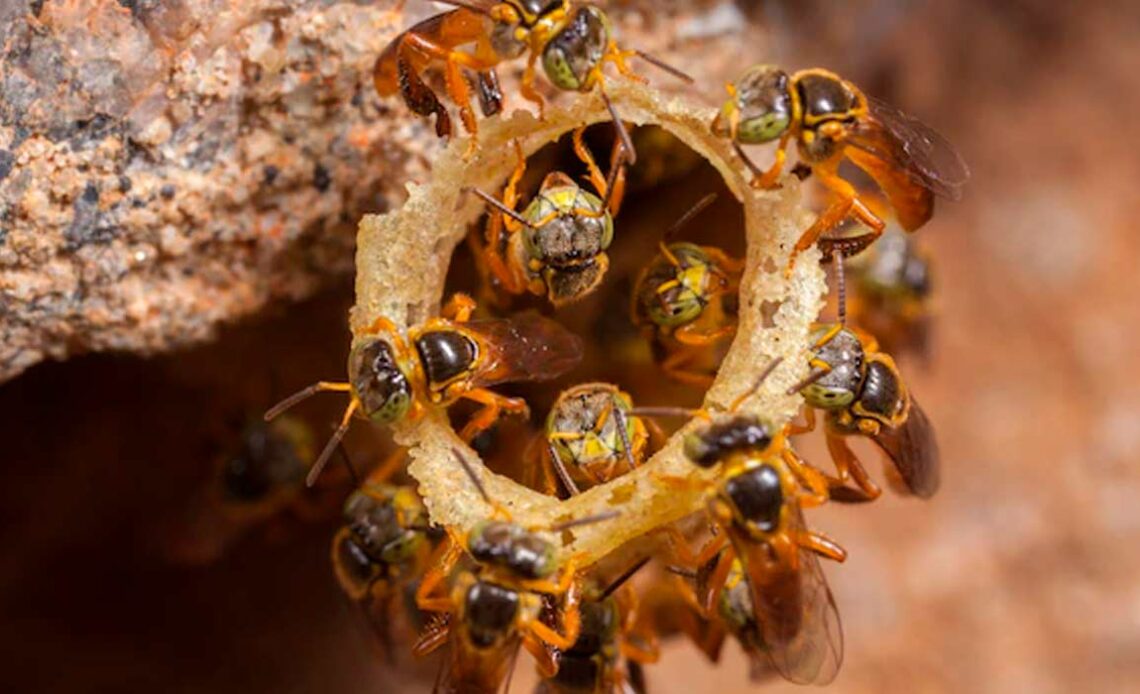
496 601
573 40
557 245
609 634
757 504
832 120
680 298
590 439
891 293
381 550
863 394
446 359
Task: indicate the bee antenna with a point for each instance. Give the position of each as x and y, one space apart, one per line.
332 445
841 283
348 463
661 64
811 378
471 475
662 411
695 210
585 520
626 141
497 204
304 394
560 469
624 435
756 384
620 580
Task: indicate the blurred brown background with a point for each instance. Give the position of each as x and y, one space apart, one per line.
1018 576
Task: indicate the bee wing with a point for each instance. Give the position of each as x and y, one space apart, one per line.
901 139
527 347
913 449
797 619
470 669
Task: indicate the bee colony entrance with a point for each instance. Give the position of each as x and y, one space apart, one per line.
402 273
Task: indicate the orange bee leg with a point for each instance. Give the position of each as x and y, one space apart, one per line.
526 86
846 202
618 57
795 429
816 481
725 262
440 565
822 545
386 469
458 308
692 336
418 96
767 180
493 405
545 657
848 466
674 367
434 636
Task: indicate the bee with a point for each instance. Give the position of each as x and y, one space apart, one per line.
496 602
680 300
593 665
590 439
891 295
446 359
831 120
863 394
573 40
259 483
756 503
557 245
268 469
381 549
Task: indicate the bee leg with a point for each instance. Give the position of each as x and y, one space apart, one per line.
618 57
389 467
815 480
846 202
442 562
493 405
822 544
766 179
674 367
848 466
526 86
512 281
648 650
458 308
795 429
546 657
418 96
693 337
433 636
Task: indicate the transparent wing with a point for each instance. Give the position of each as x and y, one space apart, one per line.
909 144
526 347
795 612
913 449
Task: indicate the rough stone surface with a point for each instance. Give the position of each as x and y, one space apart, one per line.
169 165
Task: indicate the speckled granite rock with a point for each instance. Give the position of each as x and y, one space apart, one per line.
167 165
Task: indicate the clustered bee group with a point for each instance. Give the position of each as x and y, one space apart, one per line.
752 571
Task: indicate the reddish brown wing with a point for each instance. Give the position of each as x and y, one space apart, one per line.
795 611
913 449
527 347
911 145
